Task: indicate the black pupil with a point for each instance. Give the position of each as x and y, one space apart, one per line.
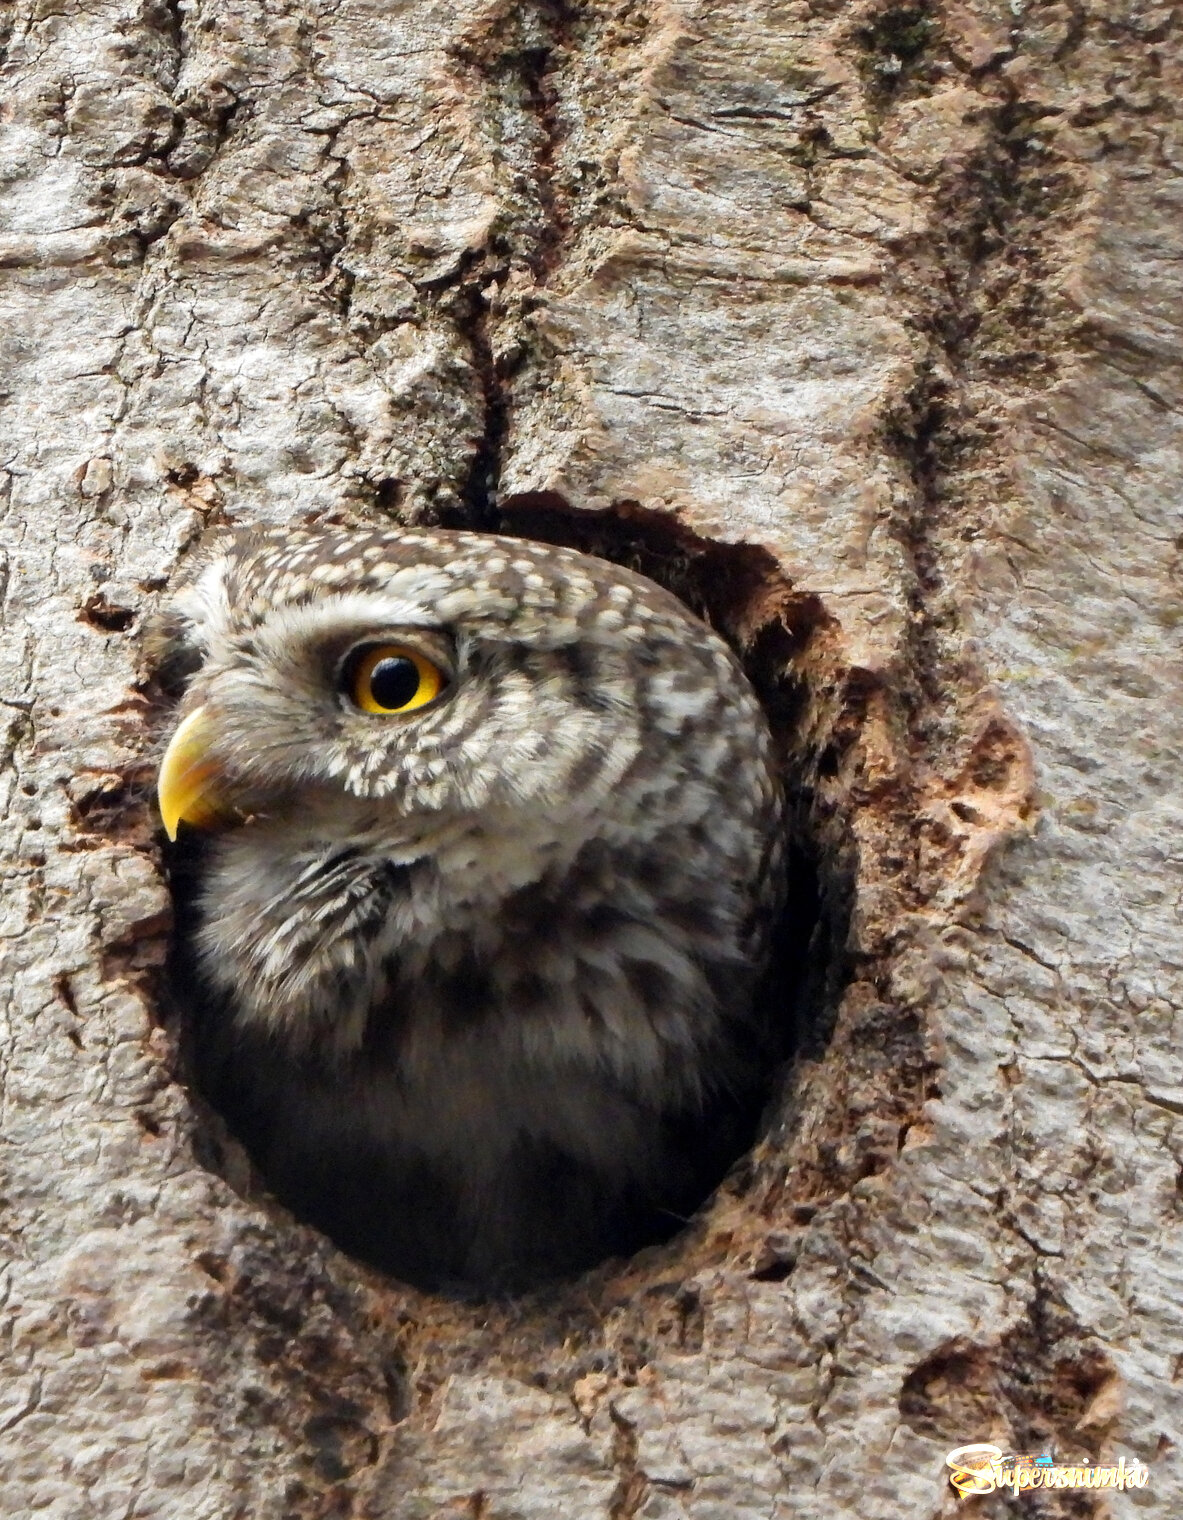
394 681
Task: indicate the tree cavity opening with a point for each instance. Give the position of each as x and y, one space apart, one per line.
782 639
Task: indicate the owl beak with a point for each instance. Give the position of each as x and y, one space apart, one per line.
187 784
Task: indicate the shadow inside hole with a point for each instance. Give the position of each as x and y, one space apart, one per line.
721 583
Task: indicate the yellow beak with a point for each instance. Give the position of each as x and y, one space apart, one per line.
187 784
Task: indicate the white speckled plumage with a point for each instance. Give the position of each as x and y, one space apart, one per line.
474 982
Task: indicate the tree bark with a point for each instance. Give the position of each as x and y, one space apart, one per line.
857 323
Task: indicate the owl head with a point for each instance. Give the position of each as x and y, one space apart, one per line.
429 681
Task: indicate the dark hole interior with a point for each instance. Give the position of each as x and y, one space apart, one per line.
721 583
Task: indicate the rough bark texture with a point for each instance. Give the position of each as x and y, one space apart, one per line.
856 323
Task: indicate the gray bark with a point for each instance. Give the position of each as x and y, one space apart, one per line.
890 293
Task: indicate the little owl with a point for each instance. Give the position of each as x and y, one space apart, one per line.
486 848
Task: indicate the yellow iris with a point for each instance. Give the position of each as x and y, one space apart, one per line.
390 678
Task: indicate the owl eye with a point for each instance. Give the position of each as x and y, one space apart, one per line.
390 678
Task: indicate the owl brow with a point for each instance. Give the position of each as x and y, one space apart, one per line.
337 622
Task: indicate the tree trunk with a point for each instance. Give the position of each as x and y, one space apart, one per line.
856 323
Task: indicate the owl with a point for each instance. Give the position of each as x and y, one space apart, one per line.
483 844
